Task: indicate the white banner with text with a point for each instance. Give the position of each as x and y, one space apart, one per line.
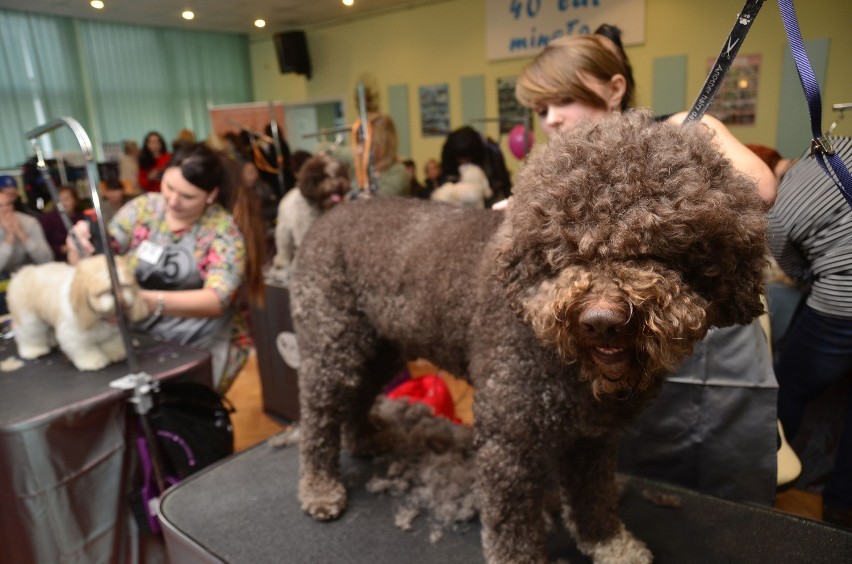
522 28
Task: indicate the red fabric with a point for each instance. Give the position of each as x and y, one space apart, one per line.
153 185
432 391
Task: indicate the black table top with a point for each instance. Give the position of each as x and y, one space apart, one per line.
51 386
245 510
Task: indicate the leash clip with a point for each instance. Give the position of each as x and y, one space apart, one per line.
821 145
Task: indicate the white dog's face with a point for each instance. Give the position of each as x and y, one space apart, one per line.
91 291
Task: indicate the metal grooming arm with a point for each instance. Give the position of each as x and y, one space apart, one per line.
91 172
141 383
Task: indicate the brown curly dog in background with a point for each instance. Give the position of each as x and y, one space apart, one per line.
624 241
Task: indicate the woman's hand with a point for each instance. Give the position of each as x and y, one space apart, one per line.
81 230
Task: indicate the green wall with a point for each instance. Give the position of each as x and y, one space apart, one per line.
444 42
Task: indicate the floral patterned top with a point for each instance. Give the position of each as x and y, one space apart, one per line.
209 254
218 247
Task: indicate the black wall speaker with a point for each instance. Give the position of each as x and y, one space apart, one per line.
291 47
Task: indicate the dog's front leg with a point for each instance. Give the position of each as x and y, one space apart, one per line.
321 400
586 475
114 348
513 527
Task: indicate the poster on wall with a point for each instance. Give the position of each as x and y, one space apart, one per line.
435 110
511 111
736 101
522 28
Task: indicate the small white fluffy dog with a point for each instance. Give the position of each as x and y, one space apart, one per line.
471 190
72 306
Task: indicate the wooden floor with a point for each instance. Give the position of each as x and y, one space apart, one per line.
252 426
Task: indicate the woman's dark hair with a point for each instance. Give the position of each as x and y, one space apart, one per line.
613 33
208 170
462 145
146 158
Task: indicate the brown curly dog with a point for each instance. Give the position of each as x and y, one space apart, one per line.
624 241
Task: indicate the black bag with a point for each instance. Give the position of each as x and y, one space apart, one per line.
193 427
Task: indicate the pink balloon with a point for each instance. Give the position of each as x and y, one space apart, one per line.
517 145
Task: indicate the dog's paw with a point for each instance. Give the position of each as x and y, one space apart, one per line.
323 499
89 360
30 352
114 349
621 548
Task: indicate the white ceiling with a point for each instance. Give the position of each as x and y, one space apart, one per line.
235 16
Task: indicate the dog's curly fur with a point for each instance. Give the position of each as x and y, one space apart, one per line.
323 183
72 306
625 240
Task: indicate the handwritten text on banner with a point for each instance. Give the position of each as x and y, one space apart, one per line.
522 28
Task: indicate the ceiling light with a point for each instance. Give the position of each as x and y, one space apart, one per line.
348 2
188 15
96 4
259 23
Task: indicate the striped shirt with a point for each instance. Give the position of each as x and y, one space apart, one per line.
810 233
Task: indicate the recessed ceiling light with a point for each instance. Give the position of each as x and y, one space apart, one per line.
188 15
348 2
259 23
96 4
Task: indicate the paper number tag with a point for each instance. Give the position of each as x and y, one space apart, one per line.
149 252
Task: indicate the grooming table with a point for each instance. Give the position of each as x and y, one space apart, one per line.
64 463
244 510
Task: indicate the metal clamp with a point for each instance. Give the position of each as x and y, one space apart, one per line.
821 145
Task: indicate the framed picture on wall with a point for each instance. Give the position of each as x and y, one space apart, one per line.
435 110
511 111
736 101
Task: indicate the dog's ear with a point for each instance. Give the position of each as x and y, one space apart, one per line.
735 287
81 284
518 267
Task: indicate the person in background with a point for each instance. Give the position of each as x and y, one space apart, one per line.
152 162
415 188
128 168
10 185
432 174
391 177
53 226
192 247
466 146
773 159
276 170
728 382
114 198
22 242
185 138
810 230
250 178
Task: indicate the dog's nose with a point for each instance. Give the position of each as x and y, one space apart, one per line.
601 322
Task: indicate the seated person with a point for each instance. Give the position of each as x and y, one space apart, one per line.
51 222
21 242
191 256
114 197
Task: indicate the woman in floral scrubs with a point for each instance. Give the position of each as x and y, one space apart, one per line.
190 257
